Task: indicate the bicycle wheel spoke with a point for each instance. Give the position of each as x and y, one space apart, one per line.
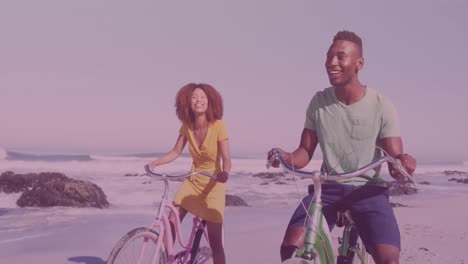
138 246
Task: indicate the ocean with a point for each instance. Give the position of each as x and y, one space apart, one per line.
129 191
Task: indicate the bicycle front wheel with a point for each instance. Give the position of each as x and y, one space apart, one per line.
358 254
138 247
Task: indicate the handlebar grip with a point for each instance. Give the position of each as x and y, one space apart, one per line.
147 168
397 164
274 156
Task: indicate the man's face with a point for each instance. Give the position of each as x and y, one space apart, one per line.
343 62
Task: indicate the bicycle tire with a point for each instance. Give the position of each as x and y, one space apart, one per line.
360 255
204 255
296 260
128 249
320 256
366 257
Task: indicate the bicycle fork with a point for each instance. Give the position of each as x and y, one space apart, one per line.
314 242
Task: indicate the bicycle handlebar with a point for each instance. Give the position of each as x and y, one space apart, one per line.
162 175
341 176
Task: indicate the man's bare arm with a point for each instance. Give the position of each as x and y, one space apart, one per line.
300 157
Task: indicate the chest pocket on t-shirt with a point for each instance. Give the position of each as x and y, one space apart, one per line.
361 129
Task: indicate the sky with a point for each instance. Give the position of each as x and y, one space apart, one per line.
101 76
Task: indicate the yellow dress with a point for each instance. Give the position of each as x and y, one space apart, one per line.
199 194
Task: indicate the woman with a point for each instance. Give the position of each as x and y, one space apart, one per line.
200 108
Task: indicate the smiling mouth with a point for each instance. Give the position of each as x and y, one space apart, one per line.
334 72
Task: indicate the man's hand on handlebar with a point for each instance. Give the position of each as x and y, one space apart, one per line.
274 162
408 163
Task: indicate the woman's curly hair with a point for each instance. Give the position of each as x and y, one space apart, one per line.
183 101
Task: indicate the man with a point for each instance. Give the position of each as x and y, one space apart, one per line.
349 120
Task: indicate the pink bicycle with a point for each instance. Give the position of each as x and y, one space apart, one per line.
155 244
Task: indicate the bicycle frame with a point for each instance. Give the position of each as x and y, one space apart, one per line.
317 239
162 224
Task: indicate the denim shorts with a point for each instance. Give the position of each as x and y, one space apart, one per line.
369 206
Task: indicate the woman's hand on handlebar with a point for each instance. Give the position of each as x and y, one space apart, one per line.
149 166
222 176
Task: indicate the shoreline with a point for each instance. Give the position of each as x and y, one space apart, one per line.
432 232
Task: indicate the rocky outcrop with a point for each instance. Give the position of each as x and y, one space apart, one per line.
233 200
14 183
132 174
398 188
278 178
269 175
455 173
464 180
52 189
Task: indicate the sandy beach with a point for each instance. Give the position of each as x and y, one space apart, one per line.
433 231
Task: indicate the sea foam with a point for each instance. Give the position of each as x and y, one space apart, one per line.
3 153
128 189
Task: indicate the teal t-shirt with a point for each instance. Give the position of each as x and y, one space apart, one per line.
348 134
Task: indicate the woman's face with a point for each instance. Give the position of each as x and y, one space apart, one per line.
199 101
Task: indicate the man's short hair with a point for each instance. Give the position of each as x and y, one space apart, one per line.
349 36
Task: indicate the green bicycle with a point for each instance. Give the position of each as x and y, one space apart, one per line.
317 242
